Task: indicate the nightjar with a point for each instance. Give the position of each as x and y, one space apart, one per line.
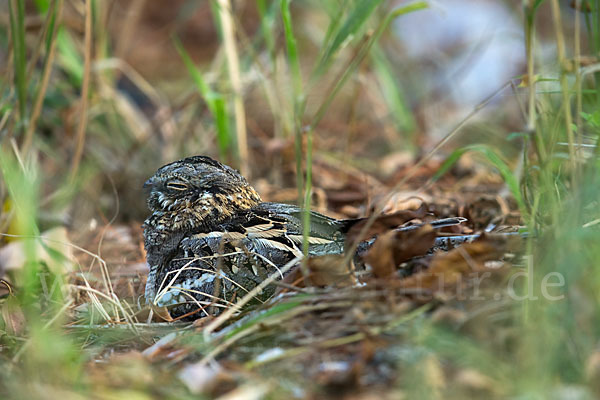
202 208
210 238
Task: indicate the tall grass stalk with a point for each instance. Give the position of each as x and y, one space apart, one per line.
530 10
562 62
48 26
215 101
298 98
85 87
233 67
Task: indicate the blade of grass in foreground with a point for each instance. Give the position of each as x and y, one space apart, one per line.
358 16
230 47
69 56
304 186
45 355
23 194
297 92
215 102
267 22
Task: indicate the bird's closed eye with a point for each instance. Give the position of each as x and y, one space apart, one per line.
177 185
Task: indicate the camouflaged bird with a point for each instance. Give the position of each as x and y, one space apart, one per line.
202 208
210 238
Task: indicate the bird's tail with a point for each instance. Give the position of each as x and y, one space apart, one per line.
346 225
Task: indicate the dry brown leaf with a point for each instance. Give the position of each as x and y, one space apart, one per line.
485 209
162 313
394 161
393 248
330 270
381 256
450 269
383 223
327 270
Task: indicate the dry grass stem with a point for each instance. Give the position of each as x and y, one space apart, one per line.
85 86
233 67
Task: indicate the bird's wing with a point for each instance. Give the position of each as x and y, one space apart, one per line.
321 226
272 229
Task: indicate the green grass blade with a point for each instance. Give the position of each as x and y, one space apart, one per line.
52 26
267 22
205 91
362 53
304 186
359 15
223 131
336 15
214 101
393 94
297 93
291 46
69 57
22 187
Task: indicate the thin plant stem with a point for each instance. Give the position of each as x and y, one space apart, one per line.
231 53
307 196
48 22
577 68
560 47
84 91
39 100
297 94
16 10
529 37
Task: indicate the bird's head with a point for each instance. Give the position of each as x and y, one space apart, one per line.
197 191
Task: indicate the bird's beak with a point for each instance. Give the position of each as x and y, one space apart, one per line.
149 183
